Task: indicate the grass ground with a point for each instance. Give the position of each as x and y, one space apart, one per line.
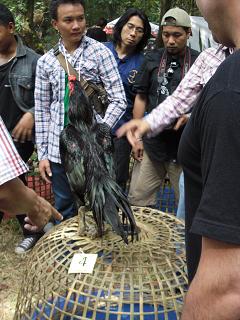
11 268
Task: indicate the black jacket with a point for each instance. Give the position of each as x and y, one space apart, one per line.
22 76
164 146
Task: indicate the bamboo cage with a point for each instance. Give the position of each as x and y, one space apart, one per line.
144 280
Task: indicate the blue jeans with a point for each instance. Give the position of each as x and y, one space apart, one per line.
181 202
63 197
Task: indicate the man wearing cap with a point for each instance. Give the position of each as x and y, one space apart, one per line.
160 74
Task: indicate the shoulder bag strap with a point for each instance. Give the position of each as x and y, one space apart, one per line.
85 85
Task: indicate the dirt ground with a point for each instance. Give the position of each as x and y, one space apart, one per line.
11 268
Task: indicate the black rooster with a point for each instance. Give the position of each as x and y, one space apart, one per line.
86 153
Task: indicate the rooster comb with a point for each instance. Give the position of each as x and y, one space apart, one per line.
71 83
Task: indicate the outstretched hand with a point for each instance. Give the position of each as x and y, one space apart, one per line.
134 130
42 212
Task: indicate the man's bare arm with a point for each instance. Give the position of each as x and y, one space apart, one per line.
214 293
16 198
139 107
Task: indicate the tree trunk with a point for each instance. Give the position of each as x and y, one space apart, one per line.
192 7
28 33
30 12
111 10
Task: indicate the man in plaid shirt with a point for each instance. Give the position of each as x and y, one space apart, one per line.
15 197
180 101
95 63
178 105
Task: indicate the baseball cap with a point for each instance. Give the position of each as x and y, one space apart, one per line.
181 17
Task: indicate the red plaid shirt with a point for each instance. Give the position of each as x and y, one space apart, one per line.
11 164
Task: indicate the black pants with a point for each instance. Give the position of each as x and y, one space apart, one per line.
121 155
25 150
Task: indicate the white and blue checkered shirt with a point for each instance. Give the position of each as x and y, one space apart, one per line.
96 63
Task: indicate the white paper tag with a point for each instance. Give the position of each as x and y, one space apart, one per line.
83 263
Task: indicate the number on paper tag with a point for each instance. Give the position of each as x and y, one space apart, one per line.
82 263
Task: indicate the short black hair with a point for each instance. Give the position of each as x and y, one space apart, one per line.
56 3
124 19
101 22
6 16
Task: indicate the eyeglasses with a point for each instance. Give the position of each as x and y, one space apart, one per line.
132 27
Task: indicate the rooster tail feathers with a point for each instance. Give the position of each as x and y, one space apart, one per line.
112 217
97 200
98 217
123 204
117 200
127 215
105 199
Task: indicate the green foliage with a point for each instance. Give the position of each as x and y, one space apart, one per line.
33 22
112 9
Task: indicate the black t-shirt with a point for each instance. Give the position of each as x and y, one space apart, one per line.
164 146
97 33
209 152
9 110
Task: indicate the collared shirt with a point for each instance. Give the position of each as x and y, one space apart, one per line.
156 84
182 99
128 68
11 164
95 63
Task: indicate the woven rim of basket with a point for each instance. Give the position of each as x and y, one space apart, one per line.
150 271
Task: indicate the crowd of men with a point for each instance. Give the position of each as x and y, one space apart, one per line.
150 98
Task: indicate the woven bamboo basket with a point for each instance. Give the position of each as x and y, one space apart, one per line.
144 280
34 180
42 188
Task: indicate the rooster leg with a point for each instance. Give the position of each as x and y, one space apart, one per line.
92 232
91 227
82 227
87 225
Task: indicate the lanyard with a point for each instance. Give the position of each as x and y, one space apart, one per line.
163 77
163 63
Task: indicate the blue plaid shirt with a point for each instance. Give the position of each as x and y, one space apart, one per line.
97 65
